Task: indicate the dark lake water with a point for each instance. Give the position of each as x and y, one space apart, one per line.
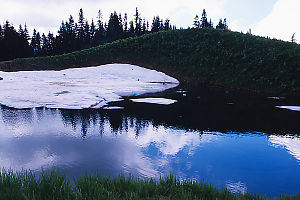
242 142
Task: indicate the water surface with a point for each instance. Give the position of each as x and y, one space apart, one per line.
243 143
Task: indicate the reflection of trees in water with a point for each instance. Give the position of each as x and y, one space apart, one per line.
15 117
79 118
118 121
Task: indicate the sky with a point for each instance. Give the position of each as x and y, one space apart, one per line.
273 18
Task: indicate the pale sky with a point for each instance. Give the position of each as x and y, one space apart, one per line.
273 18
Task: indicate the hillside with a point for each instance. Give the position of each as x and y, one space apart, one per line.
194 56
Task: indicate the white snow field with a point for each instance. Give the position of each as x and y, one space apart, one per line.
79 88
161 101
294 108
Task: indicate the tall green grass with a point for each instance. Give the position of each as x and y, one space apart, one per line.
52 185
205 56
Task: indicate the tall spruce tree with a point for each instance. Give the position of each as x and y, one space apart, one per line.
204 22
144 27
100 33
196 22
24 47
87 35
69 38
125 23
33 43
1 44
167 25
93 29
210 24
10 42
138 22
131 29
51 44
222 24
60 40
45 44
80 30
38 43
225 24
156 24
114 28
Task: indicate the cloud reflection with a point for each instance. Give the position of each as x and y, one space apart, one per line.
103 149
290 143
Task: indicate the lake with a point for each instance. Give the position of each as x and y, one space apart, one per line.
232 140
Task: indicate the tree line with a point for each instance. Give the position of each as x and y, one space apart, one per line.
73 36
204 23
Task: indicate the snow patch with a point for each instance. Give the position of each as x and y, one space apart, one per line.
113 108
161 101
79 88
295 108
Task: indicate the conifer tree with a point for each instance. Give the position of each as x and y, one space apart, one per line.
51 44
45 44
196 22
293 39
69 36
60 39
1 43
10 43
33 43
131 28
87 35
144 27
1 32
167 25
38 44
100 32
156 24
222 24
23 43
137 20
26 33
114 28
210 24
204 22
93 29
225 24
125 23
80 30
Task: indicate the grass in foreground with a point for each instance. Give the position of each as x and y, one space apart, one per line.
54 185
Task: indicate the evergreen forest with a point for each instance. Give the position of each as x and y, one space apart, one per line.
73 36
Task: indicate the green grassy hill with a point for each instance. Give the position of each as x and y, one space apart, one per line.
197 56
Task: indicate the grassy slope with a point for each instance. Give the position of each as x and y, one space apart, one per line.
53 185
194 55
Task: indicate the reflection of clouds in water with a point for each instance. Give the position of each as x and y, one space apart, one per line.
57 144
19 122
107 155
40 158
292 144
236 187
170 141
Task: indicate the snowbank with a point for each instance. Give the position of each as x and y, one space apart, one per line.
294 108
161 101
78 88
